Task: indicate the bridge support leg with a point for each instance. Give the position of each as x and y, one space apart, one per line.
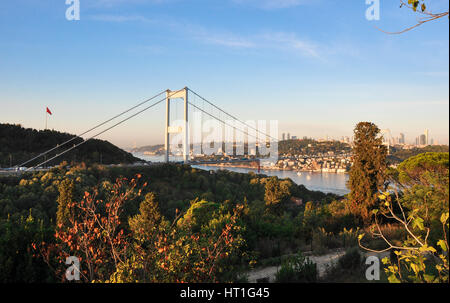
167 135
183 94
186 145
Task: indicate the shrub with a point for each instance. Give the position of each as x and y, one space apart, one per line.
351 260
323 241
349 237
297 269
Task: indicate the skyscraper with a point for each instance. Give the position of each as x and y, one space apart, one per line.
402 138
284 136
427 138
423 139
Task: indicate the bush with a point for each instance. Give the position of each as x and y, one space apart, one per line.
298 269
323 241
352 259
348 269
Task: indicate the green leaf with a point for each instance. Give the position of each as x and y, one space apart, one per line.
418 222
442 244
444 218
415 268
426 248
429 278
393 279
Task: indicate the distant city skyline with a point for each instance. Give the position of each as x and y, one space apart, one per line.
400 139
317 68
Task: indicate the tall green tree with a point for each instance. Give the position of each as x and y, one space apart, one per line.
277 193
367 175
66 196
423 181
145 224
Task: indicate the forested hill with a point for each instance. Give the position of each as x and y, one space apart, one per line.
18 144
399 155
311 147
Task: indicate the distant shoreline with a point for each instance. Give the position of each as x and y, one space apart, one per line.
274 168
254 166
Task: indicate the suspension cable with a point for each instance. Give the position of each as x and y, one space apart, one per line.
228 114
109 128
88 131
220 120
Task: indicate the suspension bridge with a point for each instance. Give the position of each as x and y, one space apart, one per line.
226 135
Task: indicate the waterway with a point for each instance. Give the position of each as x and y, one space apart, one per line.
324 182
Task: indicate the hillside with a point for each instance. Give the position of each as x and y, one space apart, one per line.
311 147
399 155
18 144
149 148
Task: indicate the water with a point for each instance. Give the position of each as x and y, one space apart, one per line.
324 182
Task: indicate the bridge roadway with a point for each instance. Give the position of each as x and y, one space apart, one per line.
11 172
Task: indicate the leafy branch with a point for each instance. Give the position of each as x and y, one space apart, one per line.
421 8
413 254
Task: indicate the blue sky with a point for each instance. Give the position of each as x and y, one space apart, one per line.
317 66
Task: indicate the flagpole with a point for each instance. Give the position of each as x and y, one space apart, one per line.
46 118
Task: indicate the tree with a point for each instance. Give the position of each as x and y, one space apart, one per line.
149 248
93 232
424 181
367 175
65 198
277 193
417 260
198 214
145 224
421 208
178 254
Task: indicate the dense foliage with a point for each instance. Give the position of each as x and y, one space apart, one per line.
179 207
175 223
399 155
297 269
311 147
419 202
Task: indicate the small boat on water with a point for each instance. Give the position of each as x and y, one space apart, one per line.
299 174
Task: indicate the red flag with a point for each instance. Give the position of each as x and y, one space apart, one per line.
48 111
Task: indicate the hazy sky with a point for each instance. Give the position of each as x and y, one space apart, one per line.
317 66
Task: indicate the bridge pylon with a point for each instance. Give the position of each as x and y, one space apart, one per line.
182 94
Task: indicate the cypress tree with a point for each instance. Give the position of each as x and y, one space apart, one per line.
367 175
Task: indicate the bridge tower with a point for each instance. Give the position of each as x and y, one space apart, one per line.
182 94
387 139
